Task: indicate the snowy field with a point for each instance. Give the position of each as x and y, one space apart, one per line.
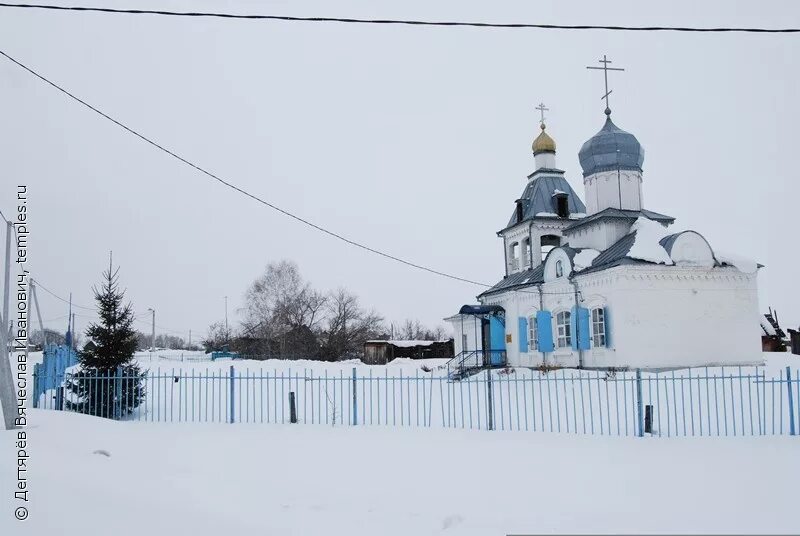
91 476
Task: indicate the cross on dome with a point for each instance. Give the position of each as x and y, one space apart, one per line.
542 109
605 68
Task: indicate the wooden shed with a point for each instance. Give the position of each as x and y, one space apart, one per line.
378 352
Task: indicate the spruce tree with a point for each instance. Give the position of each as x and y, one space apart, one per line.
109 382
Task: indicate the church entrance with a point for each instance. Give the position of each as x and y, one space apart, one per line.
493 332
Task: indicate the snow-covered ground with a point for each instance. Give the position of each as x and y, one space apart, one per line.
252 479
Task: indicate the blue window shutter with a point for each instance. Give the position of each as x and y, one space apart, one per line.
523 334
584 327
573 325
544 327
607 319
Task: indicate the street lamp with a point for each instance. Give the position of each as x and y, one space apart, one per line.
153 336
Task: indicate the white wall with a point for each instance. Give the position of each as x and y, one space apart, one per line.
598 235
661 317
667 317
466 325
545 161
615 189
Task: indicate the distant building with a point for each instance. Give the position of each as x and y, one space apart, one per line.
381 352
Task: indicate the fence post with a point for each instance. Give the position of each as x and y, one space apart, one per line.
639 409
231 404
355 398
489 401
118 394
292 408
36 380
791 402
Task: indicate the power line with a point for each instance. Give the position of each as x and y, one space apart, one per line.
407 22
56 296
236 188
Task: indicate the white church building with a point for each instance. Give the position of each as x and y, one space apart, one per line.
620 288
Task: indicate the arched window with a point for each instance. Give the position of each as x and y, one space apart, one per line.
563 329
559 268
533 333
598 327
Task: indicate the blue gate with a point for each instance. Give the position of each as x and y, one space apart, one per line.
49 374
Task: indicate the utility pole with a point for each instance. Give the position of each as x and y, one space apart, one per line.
190 338
74 338
153 333
226 314
7 400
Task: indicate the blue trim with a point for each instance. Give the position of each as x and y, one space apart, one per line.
544 326
523 334
607 326
584 328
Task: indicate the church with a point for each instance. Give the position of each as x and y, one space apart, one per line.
617 287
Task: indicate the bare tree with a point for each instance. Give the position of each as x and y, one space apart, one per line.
413 330
348 325
283 310
218 336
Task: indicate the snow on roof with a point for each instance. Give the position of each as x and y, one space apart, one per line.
546 215
743 264
646 246
558 192
583 259
577 215
405 344
766 325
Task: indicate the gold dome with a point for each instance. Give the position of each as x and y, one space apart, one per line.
543 143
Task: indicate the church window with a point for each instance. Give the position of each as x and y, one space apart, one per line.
533 332
519 211
562 206
463 342
526 252
559 269
514 254
598 327
563 330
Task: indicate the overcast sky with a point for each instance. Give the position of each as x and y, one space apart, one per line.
411 140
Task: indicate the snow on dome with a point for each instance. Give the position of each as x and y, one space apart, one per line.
743 264
583 259
646 246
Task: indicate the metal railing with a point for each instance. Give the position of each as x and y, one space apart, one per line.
708 401
474 360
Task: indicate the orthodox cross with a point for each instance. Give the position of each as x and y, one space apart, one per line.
542 110
605 68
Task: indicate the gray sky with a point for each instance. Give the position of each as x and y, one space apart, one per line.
411 140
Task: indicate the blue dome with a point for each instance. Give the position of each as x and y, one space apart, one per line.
611 148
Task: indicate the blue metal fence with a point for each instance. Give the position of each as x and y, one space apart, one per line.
691 402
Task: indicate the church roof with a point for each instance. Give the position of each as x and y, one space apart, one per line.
611 148
537 198
524 278
615 213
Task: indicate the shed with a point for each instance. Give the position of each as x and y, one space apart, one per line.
378 352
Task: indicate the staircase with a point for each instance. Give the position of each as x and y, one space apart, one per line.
471 362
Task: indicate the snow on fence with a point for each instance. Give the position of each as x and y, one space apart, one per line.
697 402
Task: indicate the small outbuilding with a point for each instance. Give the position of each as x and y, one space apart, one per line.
377 352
